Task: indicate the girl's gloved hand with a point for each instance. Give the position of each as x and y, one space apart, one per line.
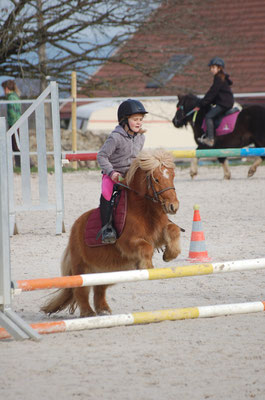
116 177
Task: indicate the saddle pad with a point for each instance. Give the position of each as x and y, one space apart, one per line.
226 125
93 224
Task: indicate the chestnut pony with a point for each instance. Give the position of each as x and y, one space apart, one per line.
150 197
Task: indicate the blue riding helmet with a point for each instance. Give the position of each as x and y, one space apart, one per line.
217 61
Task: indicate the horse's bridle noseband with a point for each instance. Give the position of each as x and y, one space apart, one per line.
155 199
192 111
150 184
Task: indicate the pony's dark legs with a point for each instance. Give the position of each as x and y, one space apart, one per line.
254 166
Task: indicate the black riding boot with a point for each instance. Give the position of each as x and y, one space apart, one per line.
210 128
208 140
109 234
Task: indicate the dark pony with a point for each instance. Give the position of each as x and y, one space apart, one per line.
249 129
150 197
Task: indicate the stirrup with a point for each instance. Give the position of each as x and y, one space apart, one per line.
207 141
109 234
202 137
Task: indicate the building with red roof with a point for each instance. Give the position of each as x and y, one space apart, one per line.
170 53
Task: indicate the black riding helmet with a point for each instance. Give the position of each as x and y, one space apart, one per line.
130 107
217 61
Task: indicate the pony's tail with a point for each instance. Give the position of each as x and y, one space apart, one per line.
62 298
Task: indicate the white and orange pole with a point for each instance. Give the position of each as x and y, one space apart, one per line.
107 278
137 318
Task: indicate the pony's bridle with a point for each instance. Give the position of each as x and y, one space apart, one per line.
192 111
155 199
150 184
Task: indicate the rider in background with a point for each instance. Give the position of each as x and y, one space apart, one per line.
219 95
13 111
115 157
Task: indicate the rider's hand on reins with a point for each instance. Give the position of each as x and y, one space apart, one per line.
116 177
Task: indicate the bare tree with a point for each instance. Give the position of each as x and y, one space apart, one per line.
40 38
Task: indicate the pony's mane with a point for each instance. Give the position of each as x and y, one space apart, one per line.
149 160
192 96
189 96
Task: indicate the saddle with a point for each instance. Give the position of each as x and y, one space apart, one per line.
93 225
225 123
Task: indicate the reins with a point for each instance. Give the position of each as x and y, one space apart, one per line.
156 194
155 199
193 111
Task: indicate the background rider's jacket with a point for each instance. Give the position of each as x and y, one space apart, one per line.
119 150
13 109
219 93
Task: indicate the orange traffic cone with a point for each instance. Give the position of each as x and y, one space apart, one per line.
198 250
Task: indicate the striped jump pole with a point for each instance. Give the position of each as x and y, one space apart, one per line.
107 278
241 152
81 157
137 318
245 152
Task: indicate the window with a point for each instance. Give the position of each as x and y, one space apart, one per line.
175 64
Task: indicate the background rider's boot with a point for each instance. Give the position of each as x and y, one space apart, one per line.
209 140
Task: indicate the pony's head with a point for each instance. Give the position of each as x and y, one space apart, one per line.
152 175
185 106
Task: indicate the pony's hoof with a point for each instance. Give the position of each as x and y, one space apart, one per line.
250 173
193 174
168 258
86 314
104 312
227 177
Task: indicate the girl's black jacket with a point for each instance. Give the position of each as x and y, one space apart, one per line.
219 93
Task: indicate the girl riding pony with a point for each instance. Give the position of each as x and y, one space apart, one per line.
219 96
115 157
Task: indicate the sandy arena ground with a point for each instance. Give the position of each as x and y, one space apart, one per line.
216 358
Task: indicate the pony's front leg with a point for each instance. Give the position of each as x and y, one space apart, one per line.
145 252
194 167
254 166
140 250
172 239
227 172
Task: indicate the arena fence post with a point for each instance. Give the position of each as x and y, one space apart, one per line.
60 227
50 94
8 318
